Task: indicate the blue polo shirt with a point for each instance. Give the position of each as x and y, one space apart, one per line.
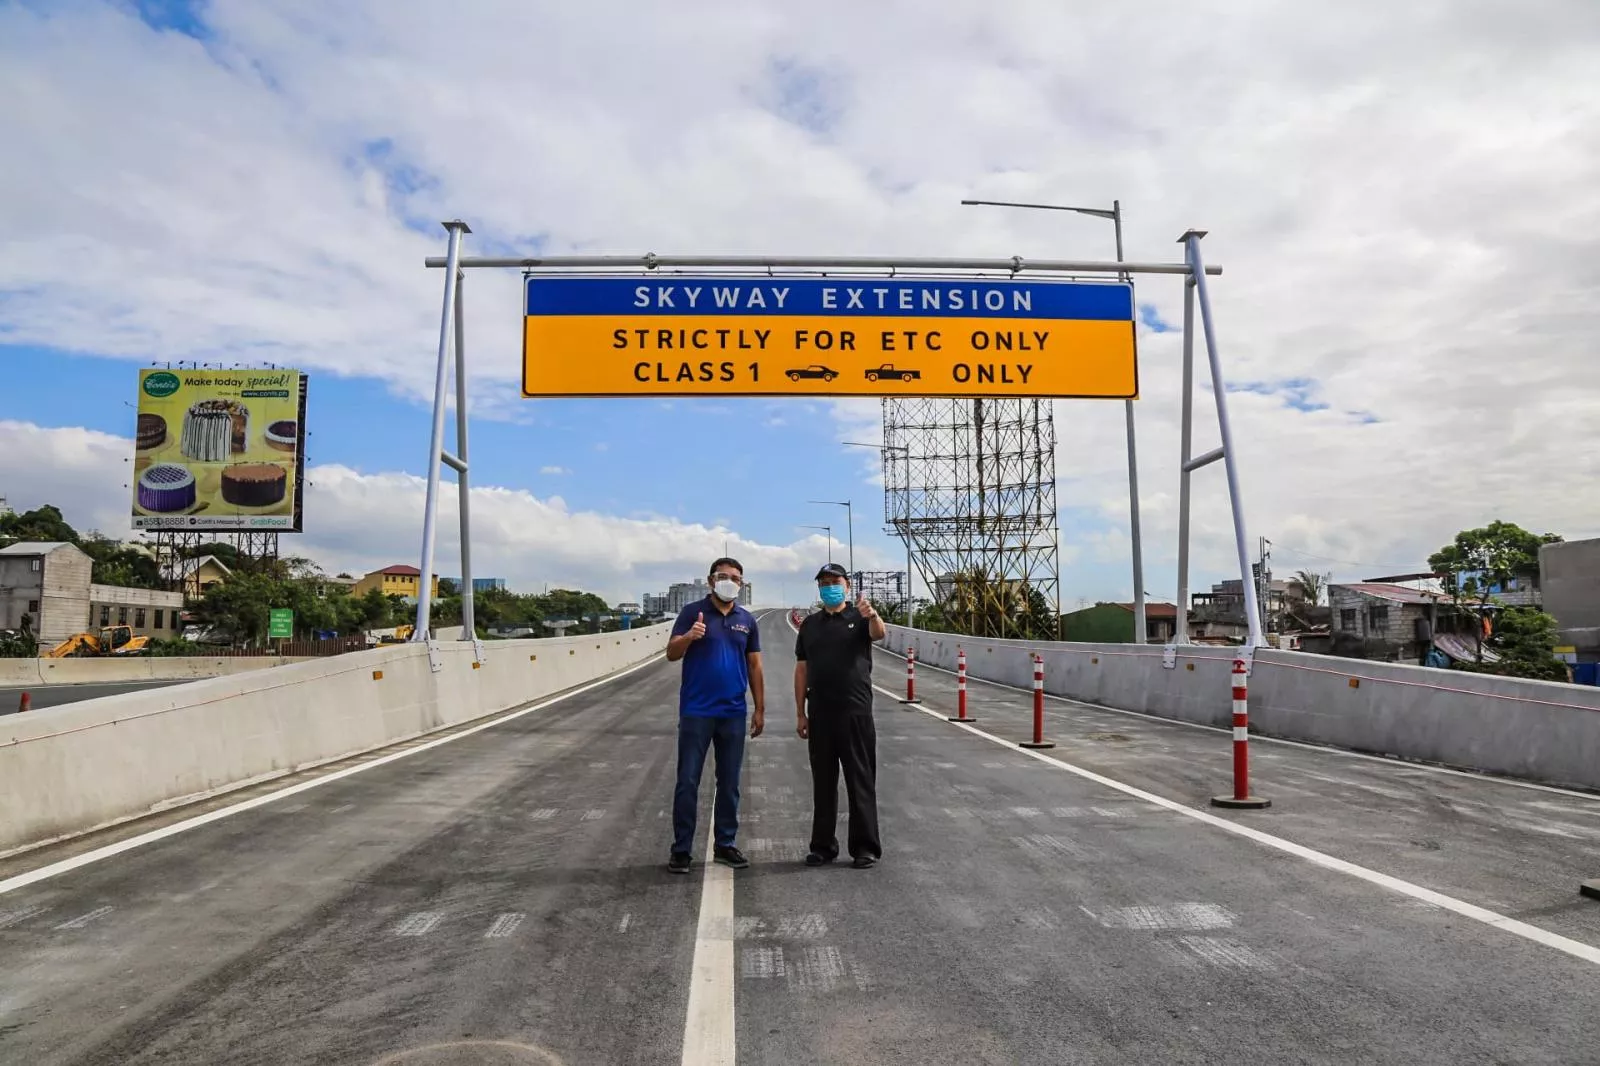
716 673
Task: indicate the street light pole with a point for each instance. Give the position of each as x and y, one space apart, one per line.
829 531
911 611
1140 630
850 526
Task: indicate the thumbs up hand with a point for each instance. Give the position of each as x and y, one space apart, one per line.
698 630
865 609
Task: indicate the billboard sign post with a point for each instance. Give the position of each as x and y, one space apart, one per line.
220 450
280 623
808 336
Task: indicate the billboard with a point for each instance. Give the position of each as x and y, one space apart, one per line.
220 450
775 336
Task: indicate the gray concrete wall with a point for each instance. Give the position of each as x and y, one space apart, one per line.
1536 730
1569 575
107 760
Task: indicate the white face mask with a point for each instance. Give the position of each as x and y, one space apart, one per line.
727 591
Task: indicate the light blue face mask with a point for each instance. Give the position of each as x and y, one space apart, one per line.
832 595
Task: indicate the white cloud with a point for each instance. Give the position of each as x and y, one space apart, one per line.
359 522
554 470
1405 199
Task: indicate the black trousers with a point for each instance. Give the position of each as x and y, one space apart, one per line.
847 741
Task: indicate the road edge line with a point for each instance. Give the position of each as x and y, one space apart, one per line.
708 1025
1493 919
88 858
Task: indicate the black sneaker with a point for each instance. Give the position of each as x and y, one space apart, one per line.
816 858
680 862
731 856
863 862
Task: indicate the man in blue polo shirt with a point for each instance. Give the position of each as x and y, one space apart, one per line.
720 646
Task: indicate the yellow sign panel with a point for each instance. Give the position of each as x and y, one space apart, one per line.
614 336
219 450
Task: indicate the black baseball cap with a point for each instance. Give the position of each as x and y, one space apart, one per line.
831 570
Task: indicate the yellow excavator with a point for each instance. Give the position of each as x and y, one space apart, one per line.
111 640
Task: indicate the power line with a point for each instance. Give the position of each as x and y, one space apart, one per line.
1342 562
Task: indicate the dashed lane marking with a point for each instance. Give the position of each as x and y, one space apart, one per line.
504 925
1188 917
420 924
17 917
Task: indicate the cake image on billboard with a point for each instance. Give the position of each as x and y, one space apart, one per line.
213 430
282 434
166 488
254 484
152 432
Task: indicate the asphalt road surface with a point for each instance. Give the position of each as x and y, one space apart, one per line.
60 695
501 899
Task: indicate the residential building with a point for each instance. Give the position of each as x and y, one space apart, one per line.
1112 623
1373 620
149 612
194 576
655 604
1569 576
50 582
1224 604
398 580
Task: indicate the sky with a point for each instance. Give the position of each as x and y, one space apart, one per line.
1404 198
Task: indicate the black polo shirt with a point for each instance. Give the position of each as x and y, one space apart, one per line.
837 651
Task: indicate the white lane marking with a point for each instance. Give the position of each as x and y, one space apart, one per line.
803 927
944 766
83 920
1025 812
1575 948
1049 848
1400 766
1189 917
594 815
504 925
1112 812
342 808
1067 812
544 814
56 869
599 766
622 926
419 924
708 1028
636 766
818 969
17 917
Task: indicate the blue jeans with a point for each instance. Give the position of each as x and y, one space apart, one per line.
695 735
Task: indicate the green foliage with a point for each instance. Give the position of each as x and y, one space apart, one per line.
1480 559
1526 638
500 607
19 643
41 523
1310 585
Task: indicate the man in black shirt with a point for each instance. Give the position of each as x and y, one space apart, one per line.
833 705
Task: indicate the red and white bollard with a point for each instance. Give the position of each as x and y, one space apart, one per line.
1241 799
1038 740
961 687
911 678
25 702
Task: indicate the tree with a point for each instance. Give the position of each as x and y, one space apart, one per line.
1480 561
1526 639
41 523
1310 585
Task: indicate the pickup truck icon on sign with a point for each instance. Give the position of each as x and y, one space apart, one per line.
887 372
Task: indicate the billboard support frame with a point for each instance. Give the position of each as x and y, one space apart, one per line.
1193 269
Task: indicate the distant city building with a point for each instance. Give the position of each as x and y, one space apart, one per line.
747 593
479 584
655 604
627 608
684 593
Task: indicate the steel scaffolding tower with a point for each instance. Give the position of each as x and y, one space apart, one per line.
975 489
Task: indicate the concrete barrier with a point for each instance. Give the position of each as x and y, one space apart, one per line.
106 760
113 670
1536 730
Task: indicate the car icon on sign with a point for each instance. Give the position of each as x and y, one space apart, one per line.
813 371
887 372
